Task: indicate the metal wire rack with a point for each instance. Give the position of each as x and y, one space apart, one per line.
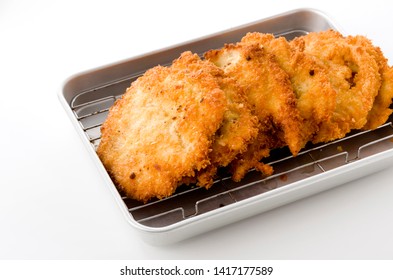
189 201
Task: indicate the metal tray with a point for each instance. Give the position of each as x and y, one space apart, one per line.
190 211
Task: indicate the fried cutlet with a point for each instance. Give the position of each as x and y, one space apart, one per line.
180 124
353 73
162 130
239 126
380 111
314 93
269 92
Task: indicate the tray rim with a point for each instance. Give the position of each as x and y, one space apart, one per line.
82 73
149 234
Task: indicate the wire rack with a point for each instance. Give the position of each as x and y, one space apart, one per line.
91 109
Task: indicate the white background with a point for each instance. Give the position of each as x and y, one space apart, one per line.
53 202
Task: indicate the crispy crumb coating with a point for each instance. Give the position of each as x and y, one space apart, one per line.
380 110
162 130
238 128
271 97
315 95
180 124
354 74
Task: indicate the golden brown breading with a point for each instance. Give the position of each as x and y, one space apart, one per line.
380 111
354 74
238 129
271 97
179 124
239 126
161 130
314 93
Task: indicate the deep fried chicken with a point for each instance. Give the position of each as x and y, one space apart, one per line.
239 126
270 94
314 93
180 124
353 73
380 111
162 130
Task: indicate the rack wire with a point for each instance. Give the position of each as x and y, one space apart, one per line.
190 201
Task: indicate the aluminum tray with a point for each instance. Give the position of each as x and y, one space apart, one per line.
88 96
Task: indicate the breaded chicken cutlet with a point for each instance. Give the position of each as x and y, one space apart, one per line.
182 123
314 93
272 100
380 110
171 125
161 130
238 128
353 73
